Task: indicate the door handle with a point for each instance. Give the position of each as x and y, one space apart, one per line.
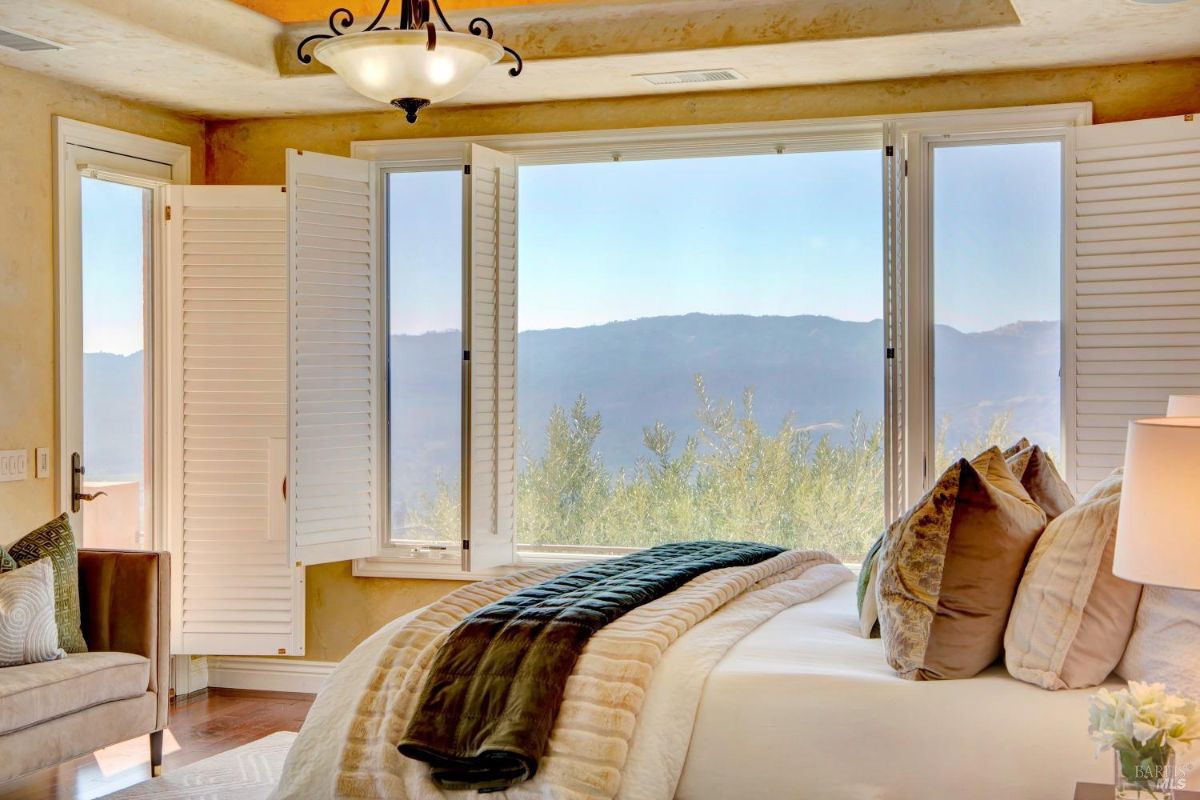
77 484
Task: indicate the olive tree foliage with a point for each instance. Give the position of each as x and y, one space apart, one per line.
730 479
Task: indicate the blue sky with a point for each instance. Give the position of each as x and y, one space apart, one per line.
112 266
775 234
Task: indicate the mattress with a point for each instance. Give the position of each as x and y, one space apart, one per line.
804 707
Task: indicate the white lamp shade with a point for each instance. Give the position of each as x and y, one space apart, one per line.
1158 530
391 65
1183 405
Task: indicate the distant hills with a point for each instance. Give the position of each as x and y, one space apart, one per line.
639 372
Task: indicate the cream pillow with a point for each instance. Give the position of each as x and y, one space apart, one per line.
28 631
1072 616
1165 645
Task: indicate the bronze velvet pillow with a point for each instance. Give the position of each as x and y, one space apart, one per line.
55 541
1037 474
949 570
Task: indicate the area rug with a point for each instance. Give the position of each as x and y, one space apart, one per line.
248 772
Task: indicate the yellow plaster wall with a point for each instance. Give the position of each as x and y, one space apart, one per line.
342 610
28 104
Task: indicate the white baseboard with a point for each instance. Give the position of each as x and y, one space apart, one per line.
268 674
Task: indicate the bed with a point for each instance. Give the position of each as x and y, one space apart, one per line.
803 707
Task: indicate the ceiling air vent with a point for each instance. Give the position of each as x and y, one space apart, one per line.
691 76
24 43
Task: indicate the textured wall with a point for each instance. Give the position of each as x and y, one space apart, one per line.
342 610
28 104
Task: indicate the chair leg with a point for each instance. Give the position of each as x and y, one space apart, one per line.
156 743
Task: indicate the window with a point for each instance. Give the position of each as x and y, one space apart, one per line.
700 352
425 356
775 333
997 254
116 259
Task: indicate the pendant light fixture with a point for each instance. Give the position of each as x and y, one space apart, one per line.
411 65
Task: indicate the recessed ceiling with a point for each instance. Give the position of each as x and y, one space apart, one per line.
312 10
220 59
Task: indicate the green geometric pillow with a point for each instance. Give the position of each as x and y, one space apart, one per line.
6 562
55 541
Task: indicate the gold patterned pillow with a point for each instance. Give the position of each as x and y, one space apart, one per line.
949 570
55 541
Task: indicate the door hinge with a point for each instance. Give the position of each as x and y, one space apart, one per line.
890 150
906 167
891 352
466 169
466 544
466 355
168 213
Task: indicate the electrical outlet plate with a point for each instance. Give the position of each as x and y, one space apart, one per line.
14 465
42 459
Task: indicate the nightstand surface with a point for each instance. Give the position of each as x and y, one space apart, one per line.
1104 791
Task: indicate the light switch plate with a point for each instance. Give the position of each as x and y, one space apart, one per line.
42 459
14 465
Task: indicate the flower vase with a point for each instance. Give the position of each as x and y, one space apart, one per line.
1145 774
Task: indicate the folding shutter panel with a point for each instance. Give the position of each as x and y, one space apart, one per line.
234 589
335 374
490 253
1136 293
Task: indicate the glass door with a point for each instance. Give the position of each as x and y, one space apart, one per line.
997 297
107 441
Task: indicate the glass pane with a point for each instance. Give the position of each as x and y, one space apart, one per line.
115 253
701 352
997 297
425 293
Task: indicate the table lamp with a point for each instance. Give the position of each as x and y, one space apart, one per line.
1183 405
1158 530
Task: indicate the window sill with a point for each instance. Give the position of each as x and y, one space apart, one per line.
399 562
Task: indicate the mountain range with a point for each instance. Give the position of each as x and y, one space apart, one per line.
638 372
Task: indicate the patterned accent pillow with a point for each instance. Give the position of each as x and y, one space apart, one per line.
949 569
868 579
1037 473
1020 445
6 561
55 541
28 633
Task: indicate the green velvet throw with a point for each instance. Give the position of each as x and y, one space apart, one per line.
494 688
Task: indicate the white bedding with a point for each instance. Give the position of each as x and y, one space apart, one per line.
803 707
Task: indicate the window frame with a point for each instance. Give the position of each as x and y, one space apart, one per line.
133 160
906 267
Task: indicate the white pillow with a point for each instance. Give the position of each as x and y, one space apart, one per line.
1165 645
28 630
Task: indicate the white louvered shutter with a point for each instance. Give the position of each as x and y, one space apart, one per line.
490 252
334 359
235 590
1136 288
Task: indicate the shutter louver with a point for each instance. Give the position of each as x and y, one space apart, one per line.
490 190
1136 298
333 359
234 588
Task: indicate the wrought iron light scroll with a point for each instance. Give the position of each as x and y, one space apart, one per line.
411 64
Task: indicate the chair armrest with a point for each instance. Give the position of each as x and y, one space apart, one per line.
125 598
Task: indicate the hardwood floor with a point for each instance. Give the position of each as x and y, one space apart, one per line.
201 725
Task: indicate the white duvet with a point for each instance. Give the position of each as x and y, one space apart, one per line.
800 707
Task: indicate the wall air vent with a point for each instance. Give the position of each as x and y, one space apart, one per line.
24 43
691 76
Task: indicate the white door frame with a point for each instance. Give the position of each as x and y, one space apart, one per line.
139 161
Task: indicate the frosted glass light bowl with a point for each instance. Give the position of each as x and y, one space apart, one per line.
394 65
